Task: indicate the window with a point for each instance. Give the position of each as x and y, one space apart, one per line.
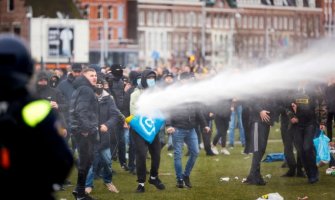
149 18
17 30
141 18
275 22
291 23
280 23
200 22
245 21
120 33
208 21
156 19
285 23
261 22
86 11
10 4
110 33
99 12
110 12
100 31
162 18
120 13
175 19
168 19
255 22
250 23
181 18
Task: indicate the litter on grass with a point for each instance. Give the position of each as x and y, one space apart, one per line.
271 196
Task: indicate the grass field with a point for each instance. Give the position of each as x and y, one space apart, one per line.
206 182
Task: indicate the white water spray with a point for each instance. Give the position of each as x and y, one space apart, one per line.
316 64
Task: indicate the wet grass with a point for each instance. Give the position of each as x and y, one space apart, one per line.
206 182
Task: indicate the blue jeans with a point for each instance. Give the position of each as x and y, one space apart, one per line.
191 139
236 113
102 161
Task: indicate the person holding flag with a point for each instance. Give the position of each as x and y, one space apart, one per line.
145 136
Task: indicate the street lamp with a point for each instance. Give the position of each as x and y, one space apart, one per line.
41 41
231 45
60 16
191 33
267 32
203 24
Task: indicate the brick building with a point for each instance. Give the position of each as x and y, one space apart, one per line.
108 31
220 34
14 17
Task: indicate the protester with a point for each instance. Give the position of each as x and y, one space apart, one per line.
148 80
84 126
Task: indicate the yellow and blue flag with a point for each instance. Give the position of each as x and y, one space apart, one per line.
146 127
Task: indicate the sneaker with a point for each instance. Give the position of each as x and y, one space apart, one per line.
210 153
225 151
75 193
157 183
187 181
330 170
201 146
284 165
259 182
231 146
289 173
88 190
67 183
132 171
140 189
111 187
85 197
180 183
170 148
124 166
314 179
214 150
301 173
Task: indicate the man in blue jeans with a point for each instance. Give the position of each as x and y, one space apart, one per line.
182 128
181 125
236 111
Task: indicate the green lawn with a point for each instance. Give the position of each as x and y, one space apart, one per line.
206 179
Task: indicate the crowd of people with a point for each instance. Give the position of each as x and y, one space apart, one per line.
91 103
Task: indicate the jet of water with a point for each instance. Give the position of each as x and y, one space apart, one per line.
316 64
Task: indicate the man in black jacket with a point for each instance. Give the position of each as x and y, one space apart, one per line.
181 124
262 118
66 88
53 95
116 87
84 125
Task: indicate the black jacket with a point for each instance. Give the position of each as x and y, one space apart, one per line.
187 116
116 88
53 94
259 104
84 108
109 115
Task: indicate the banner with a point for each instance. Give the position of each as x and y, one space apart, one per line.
60 41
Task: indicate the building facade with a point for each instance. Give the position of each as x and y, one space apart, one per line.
171 31
14 17
108 32
328 18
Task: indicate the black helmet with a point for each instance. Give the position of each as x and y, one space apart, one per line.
16 65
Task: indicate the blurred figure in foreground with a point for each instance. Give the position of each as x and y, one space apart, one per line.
32 148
